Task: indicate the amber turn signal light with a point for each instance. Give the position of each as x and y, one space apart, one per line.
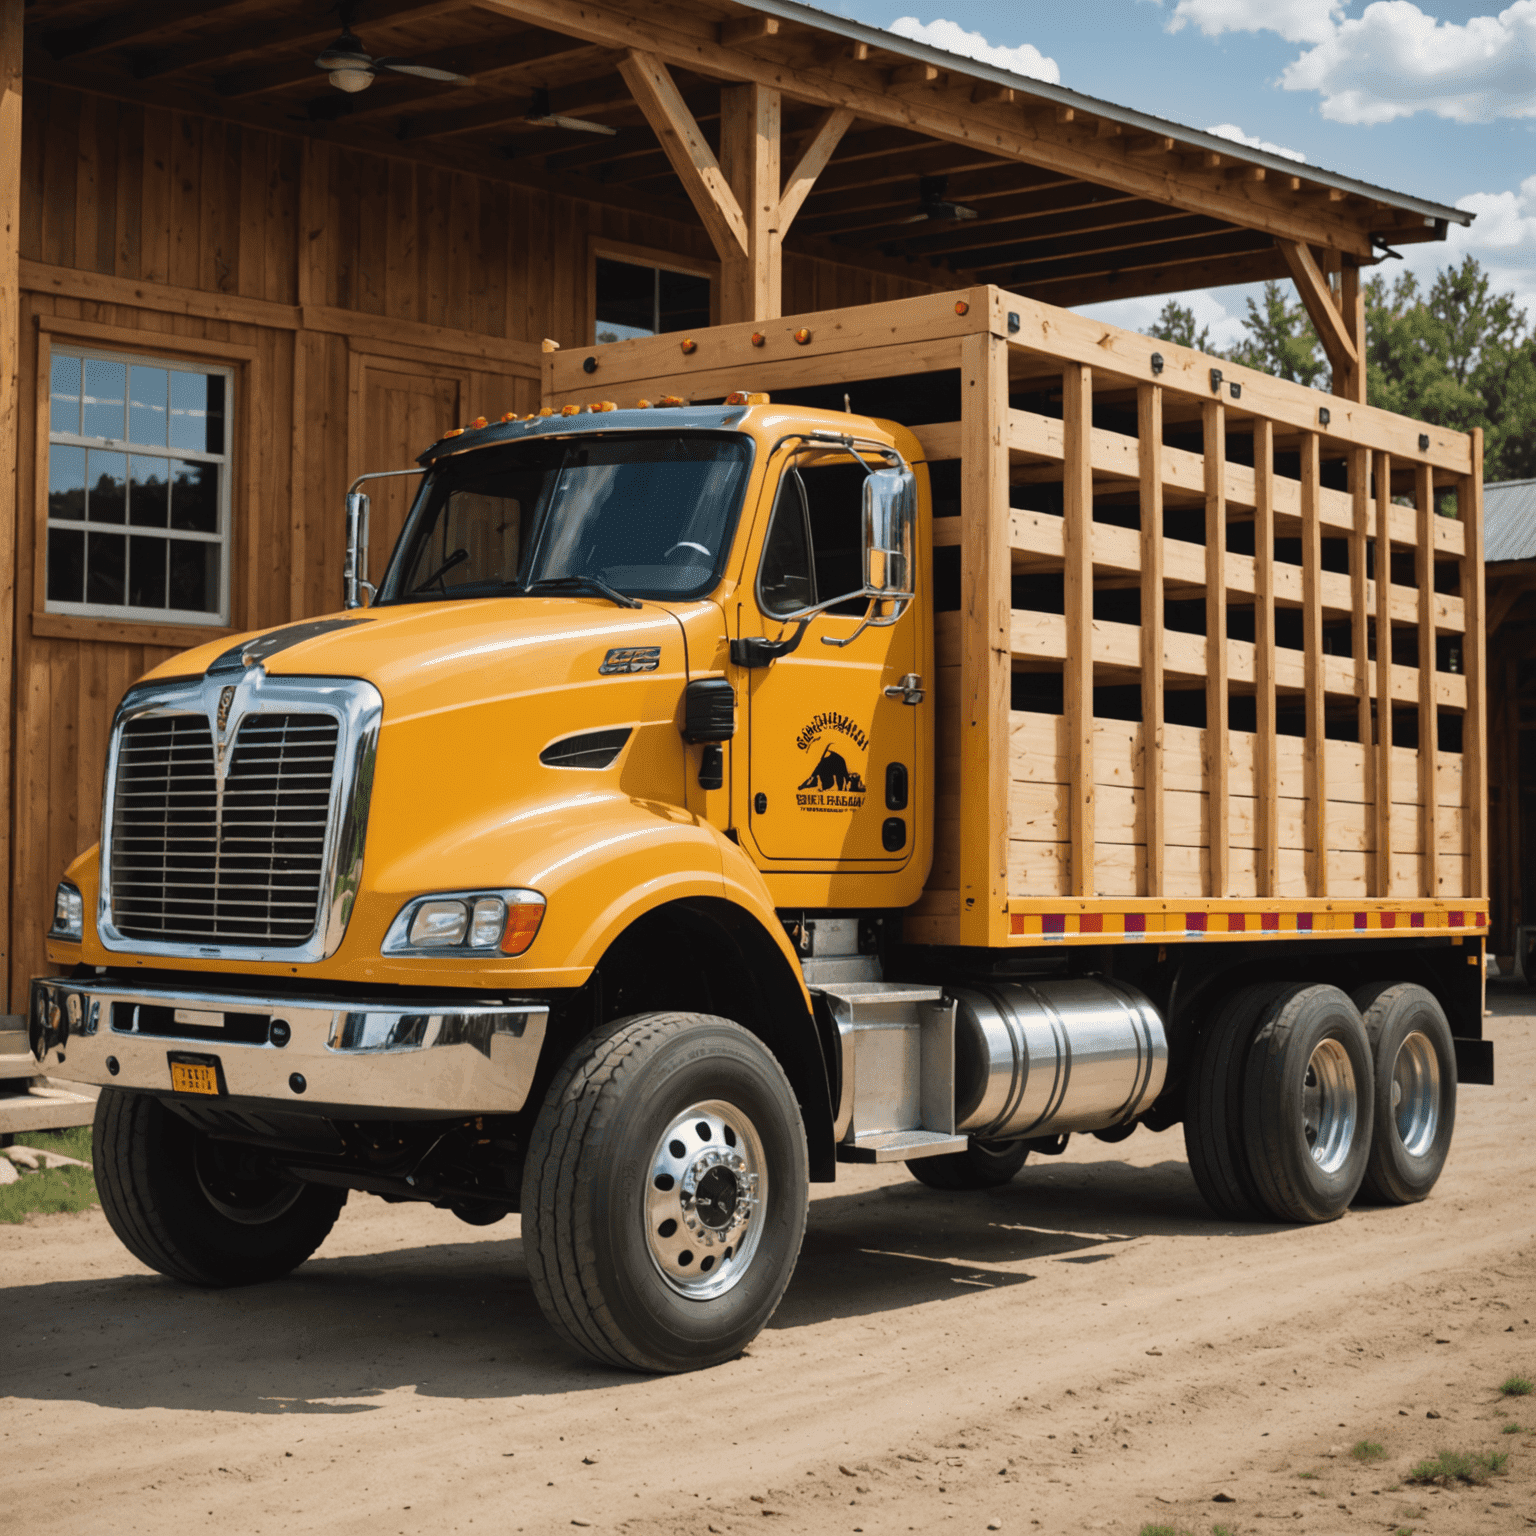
522 928
689 345
802 336
961 307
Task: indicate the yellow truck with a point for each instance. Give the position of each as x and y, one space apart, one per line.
913 733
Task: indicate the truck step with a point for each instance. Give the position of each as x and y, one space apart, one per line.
899 1146
43 1106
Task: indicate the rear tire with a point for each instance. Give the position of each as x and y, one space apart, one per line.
665 1192
983 1165
202 1211
1414 1078
1308 1105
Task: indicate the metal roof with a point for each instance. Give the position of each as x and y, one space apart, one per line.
1142 122
1509 521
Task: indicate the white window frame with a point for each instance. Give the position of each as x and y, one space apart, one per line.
62 346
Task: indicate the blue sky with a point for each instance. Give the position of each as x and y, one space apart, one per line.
1438 100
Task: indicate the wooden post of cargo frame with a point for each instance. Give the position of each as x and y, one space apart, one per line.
1149 446
1267 774
1077 670
1474 666
1383 474
751 280
10 421
986 640
1429 731
1312 639
1359 619
1216 752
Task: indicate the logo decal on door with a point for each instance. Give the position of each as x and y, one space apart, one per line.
834 784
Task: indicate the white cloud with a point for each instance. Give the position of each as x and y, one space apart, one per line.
1297 21
1502 237
1237 136
1394 61
953 38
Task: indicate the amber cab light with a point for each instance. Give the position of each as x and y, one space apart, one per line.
523 919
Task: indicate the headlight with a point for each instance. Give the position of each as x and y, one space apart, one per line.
68 914
467 923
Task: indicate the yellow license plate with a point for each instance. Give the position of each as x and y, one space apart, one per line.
194 1077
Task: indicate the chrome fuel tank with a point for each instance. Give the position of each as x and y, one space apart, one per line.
1042 1058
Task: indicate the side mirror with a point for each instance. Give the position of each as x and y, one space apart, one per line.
890 514
354 575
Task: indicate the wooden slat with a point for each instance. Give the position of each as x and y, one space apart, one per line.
1382 465
1149 438
1077 671
1312 624
985 639
1359 587
1266 776
1474 666
1215 433
1429 733
10 416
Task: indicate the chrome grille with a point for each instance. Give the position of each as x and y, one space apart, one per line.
189 865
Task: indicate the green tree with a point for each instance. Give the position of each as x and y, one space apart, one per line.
1176 324
1280 338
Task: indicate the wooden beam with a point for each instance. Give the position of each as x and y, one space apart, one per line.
1350 382
650 83
1337 338
985 666
123 28
1474 664
825 138
1077 670
1314 696
748 29
10 422
1217 768
1149 458
914 74
751 283
1383 884
1359 600
1266 767
1429 732
1149 144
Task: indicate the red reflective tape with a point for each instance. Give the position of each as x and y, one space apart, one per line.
1360 921
1389 919
1135 922
1269 922
1195 922
1415 919
1091 922
1053 922
1237 922
1304 922
1456 919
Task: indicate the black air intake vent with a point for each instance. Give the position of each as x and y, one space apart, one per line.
592 749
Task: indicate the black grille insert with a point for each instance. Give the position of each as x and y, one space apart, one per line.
189 866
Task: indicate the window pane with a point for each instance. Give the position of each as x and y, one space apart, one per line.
66 565
194 576
105 553
105 385
626 300
194 496
684 301
64 394
197 412
66 482
147 405
108 477
146 572
149 491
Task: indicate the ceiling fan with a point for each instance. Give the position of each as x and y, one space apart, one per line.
352 70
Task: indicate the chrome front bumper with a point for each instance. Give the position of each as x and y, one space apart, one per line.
358 1060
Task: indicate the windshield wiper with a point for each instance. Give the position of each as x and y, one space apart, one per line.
582 583
458 557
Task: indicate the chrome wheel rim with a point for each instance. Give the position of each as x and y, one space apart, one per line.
704 1198
1416 1093
1329 1110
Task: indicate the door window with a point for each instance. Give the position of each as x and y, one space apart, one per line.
815 545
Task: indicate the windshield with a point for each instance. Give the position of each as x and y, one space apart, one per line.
649 515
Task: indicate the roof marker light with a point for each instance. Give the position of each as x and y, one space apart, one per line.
961 307
509 416
598 407
454 432
672 400
689 346
642 405
544 410
802 336
758 339
477 423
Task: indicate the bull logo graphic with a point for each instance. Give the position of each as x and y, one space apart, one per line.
832 772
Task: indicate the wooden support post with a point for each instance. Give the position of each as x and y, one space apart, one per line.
1217 767
1149 435
1383 546
1350 384
986 640
1359 588
1337 338
1429 732
10 423
1312 639
825 138
1077 671
1474 665
1267 773
751 281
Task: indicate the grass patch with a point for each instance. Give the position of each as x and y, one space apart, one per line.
1368 1450
1511 1429
1459 1467
1160 1530
1309 1476
1403 1530
1517 1386
52 1190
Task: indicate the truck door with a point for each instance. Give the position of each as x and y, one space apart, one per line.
833 730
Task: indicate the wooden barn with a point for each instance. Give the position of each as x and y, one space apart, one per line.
243 259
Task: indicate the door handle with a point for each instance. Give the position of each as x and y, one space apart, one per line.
909 690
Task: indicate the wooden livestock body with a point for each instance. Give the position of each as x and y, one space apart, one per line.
1104 504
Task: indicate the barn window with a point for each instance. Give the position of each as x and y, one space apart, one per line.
637 299
138 488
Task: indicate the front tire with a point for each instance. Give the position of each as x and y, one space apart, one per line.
983 1165
206 1212
665 1192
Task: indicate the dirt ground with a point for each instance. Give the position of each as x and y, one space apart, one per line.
1084 1350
